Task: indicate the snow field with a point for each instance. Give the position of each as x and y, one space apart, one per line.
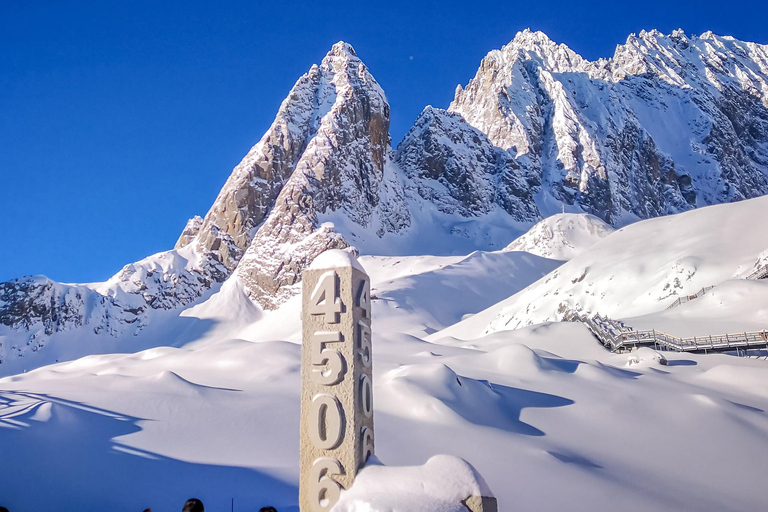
550 419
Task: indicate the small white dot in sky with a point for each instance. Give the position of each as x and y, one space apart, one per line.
410 58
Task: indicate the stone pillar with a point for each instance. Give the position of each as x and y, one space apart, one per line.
336 379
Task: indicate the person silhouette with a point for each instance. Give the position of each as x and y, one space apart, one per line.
193 505
267 509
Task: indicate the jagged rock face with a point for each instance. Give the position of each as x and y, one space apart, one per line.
455 166
252 188
327 151
38 300
165 280
341 170
41 306
190 232
667 124
254 185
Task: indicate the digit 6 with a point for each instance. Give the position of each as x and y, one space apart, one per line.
324 491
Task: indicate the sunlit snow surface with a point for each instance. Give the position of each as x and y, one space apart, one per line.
549 418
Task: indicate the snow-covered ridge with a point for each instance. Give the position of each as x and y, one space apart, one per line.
562 236
33 308
670 122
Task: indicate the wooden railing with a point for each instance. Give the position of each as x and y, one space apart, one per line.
760 273
688 298
618 337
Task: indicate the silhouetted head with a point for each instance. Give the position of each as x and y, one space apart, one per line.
193 505
3 509
267 509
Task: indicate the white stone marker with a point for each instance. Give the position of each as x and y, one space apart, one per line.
336 379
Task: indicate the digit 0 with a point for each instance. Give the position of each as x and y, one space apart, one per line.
366 396
326 422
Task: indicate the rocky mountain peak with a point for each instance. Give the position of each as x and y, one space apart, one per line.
340 169
667 124
342 49
250 193
325 151
455 167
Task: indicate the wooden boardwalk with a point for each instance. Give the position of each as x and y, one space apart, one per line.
618 337
760 273
688 298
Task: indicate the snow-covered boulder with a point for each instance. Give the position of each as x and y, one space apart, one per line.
444 484
645 356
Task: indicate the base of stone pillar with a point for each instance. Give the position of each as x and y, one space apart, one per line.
481 504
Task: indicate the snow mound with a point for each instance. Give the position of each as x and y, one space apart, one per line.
435 393
440 485
752 380
645 356
519 360
562 236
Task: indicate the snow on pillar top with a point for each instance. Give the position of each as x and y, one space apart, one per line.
336 258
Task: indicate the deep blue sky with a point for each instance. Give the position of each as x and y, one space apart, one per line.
118 123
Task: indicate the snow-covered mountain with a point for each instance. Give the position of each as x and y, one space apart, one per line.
669 123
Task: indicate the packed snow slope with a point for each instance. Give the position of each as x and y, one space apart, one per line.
642 268
549 418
